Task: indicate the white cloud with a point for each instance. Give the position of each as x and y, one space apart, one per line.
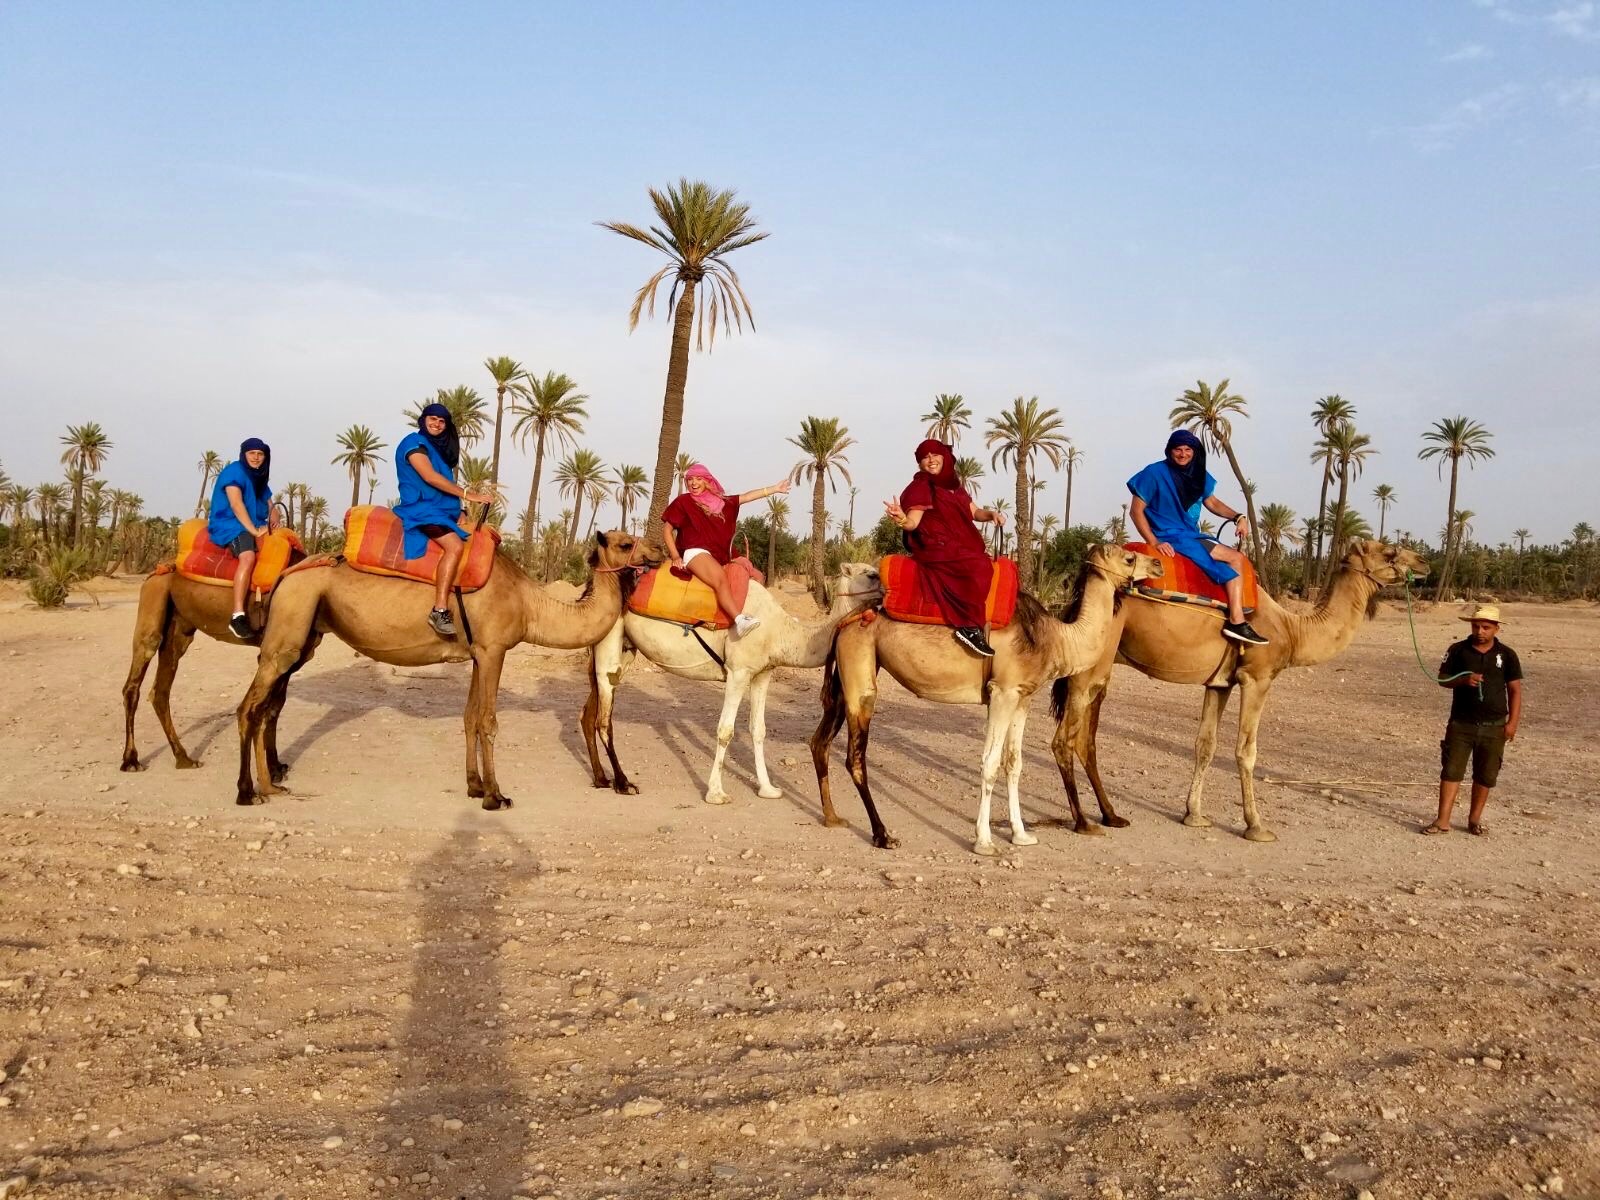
1574 21
1465 117
1472 52
1580 94
299 185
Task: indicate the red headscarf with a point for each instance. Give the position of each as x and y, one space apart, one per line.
712 499
946 478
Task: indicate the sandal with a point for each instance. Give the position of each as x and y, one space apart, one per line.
1477 829
1435 829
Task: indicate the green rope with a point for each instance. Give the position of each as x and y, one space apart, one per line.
1418 649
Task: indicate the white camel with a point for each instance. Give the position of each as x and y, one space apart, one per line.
780 640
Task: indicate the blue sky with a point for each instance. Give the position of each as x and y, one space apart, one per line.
224 221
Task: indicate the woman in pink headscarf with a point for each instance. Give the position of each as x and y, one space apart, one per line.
698 530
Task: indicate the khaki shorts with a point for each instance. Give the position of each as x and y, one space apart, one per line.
1483 745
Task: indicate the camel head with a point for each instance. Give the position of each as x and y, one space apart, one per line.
1122 566
1385 563
615 550
857 581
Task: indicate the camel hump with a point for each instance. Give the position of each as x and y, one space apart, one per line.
666 595
906 599
203 561
1183 582
375 539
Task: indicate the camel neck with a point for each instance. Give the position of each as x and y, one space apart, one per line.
810 647
1079 642
571 625
1326 632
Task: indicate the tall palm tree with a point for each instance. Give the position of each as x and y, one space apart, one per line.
210 464
968 472
315 514
1352 527
631 489
507 374
699 226
1117 527
950 415
581 474
1000 506
86 448
474 472
1349 451
48 498
824 442
1018 435
1071 458
1384 494
468 410
20 498
1450 440
360 454
1328 412
372 486
1047 529
777 522
1209 411
1522 536
552 407
1277 528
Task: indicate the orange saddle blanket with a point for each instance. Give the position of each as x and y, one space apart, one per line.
905 600
661 594
202 560
375 541
1186 583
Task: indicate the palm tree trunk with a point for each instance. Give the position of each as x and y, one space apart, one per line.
1322 522
200 503
1249 500
577 514
1336 546
499 415
819 527
772 551
75 525
1448 570
533 500
671 411
1024 520
1066 517
355 487
1383 516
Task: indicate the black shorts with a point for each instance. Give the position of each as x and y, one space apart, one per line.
1484 745
245 543
435 531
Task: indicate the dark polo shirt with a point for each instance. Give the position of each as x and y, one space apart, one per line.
1498 665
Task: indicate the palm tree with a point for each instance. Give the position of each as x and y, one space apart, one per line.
699 227
474 473
372 486
1117 527
86 448
968 472
1451 440
361 448
553 408
824 442
777 521
1329 412
315 514
680 468
1522 536
210 464
1384 495
580 474
1349 451
1047 529
1071 458
1206 410
507 374
1000 506
20 497
1277 527
631 489
49 498
950 414
468 410
1019 433
1353 526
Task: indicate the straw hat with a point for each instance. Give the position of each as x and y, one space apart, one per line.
1484 612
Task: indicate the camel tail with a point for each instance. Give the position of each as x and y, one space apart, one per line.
832 687
1058 697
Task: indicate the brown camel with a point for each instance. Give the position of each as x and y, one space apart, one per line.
171 610
1183 644
1033 648
385 618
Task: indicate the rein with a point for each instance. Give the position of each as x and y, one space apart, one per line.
1418 649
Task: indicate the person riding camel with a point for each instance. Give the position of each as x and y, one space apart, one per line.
1167 497
937 516
698 527
241 513
430 503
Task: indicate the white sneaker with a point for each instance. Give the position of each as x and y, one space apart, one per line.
742 625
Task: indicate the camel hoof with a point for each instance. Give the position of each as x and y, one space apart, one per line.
1089 829
886 842
987 849
187 764
600 781
1024 839
626 788
1258 834
494 803
132 764
280 773
770 793
717 798
1196 821
247 798
1115 822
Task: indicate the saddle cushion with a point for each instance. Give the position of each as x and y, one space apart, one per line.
905 600
662 594
374 542
1185 583
202 560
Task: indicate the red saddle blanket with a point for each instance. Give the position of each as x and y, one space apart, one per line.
375 541
202 560
1185 583
662 594
905 600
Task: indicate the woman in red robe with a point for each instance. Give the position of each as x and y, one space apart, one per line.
952 564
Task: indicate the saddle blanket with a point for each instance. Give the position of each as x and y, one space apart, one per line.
905 600
1188 584
374 542
202 560
662 594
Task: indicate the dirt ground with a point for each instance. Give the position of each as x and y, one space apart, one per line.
371 987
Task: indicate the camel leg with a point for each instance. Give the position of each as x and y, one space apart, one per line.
487 725
1205 747
606 662
1091 767
469 730
833 711
1013 760
732 697
272 665
179 637
1002 707
1072 738
858 723
150 625
1252 701
758 735
277 768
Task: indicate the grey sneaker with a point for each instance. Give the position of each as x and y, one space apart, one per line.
1243 633
439 619
239 626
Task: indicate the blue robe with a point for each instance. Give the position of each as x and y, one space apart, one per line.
1173 523
420 502
222 525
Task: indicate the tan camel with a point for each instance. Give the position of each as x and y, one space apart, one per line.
1033 649
385 618
171 610
1182 644
779 641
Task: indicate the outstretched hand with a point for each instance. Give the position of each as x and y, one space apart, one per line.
896 513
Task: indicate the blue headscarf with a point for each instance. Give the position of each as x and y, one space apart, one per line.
258 475
448 444
1191 480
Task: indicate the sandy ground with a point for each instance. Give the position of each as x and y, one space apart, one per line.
371 987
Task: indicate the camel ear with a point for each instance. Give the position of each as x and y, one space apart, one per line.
599 539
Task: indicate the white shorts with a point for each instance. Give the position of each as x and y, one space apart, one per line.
690 555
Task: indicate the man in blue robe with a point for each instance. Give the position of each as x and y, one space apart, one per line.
430 503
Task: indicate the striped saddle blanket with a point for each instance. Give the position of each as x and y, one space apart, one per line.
905 599
375 542
662 594
202 560
1186 583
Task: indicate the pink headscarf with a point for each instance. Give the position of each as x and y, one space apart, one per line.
712 499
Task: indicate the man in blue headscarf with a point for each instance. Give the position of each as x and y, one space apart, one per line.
1167 497
241 514
430 502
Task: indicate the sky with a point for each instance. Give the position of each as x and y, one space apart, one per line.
224 221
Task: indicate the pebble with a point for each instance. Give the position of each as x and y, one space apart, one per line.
1554 1184
747 1130
453 1124
1363 1194
332 1143
218 1000
129 869
724 1170
191 1028
643 1106
189 1139
1329 1138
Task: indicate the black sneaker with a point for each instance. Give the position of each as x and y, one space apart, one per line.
1243 633
439 619
239 626
972 638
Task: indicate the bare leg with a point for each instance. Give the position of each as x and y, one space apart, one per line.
241 579
732 696
758 735
708 571
1480 797
1205 748
445 578
1448 791
1234 586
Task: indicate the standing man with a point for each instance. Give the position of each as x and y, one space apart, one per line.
1485 709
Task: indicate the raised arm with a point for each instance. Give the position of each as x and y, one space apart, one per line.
777 489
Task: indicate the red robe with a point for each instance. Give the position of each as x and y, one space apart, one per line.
696 529
954 568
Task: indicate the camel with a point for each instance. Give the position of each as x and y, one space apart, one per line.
1033 648
171 610
385 618
779 641
1183 644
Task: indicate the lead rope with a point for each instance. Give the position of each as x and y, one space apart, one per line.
1410 617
